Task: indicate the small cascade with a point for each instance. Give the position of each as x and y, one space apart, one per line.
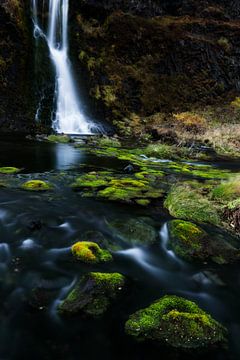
68 117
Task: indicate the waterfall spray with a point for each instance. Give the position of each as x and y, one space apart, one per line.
69 117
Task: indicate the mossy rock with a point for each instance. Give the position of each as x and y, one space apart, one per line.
130 191
106 185
192 243
134 231
63 139
90 253
93 294
187 203
36 185
8 170
91 180
176 322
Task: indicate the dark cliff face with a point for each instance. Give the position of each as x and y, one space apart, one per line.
145 57
16 111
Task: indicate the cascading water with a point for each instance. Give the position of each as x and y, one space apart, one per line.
69 117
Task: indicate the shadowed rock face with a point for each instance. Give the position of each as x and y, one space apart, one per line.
144 57
151 8
15 66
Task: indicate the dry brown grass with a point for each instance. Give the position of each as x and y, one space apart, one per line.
190 121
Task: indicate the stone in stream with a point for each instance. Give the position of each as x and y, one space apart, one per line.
93 294
137 231
191 242
36 185
8 170
90 253
176 322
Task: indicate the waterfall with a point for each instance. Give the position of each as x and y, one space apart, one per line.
69 117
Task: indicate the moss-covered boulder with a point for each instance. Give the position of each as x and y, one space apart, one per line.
36 185
93 294
191 243
137 231
90 253
176 322
8 170
187 203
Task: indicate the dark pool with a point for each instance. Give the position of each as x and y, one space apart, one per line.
33 256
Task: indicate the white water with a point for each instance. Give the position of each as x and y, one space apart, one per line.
69 117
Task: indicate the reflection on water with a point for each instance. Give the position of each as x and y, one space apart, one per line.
66 156
39 156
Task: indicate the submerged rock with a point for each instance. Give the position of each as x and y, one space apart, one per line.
135 231
176 322
93 294
191 243
36 185
90 252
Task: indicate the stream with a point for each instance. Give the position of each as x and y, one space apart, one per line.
37 231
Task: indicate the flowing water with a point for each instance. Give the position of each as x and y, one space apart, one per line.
69 117
37 231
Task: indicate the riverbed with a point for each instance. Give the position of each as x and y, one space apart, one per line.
37 232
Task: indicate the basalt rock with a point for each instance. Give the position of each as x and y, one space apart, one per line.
146 57
16 109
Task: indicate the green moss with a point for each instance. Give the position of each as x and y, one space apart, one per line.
177 322
186 239
93 294
90 252
186 203
143 202
192 243
91 180
9 170
64 139
110 280
36 185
